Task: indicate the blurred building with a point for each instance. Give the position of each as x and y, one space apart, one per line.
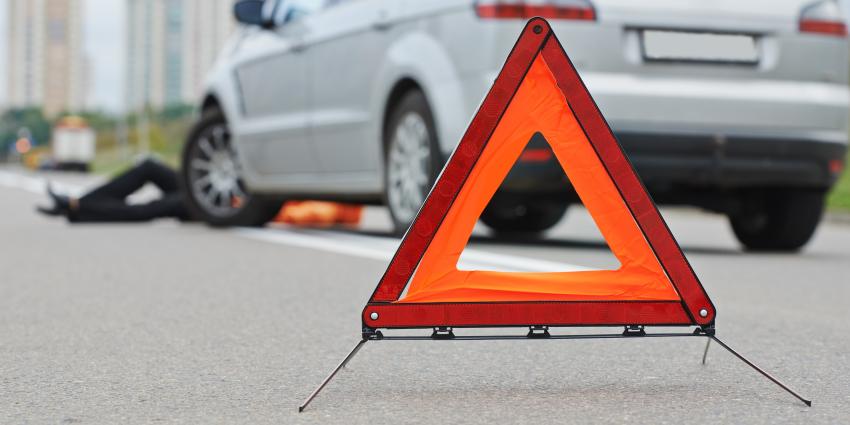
145 80
46 60
170 46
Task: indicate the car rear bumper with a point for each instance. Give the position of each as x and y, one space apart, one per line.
719 132
733 162
791 109
644 104
667 160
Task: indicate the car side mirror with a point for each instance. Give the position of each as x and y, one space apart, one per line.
250 12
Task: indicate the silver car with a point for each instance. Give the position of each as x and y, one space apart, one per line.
738 107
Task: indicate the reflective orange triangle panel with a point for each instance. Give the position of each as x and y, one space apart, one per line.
540 106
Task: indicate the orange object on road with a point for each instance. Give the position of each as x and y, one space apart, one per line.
319 213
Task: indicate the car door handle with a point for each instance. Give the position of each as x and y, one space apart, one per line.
382 25
298 47
383 22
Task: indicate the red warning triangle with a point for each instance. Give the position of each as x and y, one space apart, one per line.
538 91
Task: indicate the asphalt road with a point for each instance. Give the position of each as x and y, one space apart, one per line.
167 322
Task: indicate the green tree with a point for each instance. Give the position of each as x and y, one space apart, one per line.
15 120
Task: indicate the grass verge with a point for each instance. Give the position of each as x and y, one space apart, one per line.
839 198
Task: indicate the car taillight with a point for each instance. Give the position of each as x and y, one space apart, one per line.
823 17
836 166
581 10
536 155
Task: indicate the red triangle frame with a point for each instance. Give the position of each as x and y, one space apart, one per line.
694 307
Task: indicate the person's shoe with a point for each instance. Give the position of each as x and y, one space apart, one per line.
61 204
60 201
56 211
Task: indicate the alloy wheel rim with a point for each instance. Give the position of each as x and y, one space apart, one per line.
409 167
215 174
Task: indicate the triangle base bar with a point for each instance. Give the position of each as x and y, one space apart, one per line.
630 332
549 313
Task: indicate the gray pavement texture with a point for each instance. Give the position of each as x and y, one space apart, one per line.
176 323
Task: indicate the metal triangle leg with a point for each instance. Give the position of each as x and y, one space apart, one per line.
705 353
331 376
759 370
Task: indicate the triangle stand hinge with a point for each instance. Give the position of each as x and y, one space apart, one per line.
443 333
538 332
634 330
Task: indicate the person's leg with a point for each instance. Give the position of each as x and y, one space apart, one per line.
133 179
103 210
107 210
170 206
161 175
107 203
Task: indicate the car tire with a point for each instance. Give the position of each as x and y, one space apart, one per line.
211 179
779 220
412 158
524 218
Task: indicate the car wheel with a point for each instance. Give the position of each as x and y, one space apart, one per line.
528 217
781 220
412 158
212 182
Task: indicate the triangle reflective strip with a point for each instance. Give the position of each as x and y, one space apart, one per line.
538 90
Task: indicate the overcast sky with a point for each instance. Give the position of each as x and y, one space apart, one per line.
104 34
3 35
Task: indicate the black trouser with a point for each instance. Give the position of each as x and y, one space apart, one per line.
108 203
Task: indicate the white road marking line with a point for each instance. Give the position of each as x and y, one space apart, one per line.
362 246
37 185
503 262
296 238
383 249
471 259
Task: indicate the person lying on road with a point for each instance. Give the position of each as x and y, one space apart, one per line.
108 203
